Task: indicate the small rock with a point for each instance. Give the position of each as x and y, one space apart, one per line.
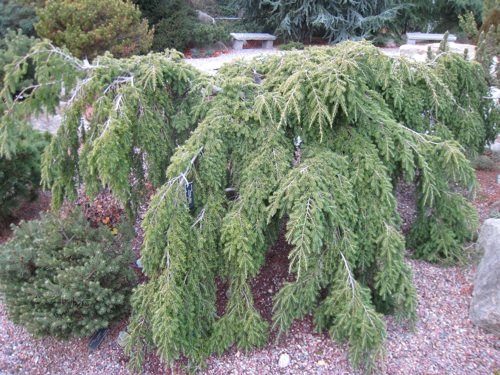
121 338
139 263
205 18
321 363
391 43
219 46
284 360
496 345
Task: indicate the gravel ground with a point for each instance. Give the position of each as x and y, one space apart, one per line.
444 340
211 65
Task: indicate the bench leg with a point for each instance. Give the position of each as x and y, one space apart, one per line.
411 41
267 44
238 44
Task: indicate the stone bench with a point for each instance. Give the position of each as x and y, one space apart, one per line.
241 38
413 37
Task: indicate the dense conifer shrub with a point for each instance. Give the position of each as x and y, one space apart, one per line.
89 28
59 277
174 29
176 26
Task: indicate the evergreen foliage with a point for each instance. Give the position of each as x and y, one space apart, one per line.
177 26
16 45
468 25
59 277
91 27
434 15
15 15
291 46
488 7
367 121
20 171
173 29
20 175
488 51
122 120
335 20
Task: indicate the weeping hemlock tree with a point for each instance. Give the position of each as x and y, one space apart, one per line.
367 121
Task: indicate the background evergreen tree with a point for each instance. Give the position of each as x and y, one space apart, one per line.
434 15
15 15
333 20
488 7
91 27
176 25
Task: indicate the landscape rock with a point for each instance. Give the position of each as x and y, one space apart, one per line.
284 360
485 306
121 338
219 46
205 18
391 43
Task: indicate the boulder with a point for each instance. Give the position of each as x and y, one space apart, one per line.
485 306
205 18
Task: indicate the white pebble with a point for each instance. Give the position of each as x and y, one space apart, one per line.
284 360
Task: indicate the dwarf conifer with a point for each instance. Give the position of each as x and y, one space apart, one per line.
60 277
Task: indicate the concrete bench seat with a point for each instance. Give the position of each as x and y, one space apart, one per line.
241 38
413 37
